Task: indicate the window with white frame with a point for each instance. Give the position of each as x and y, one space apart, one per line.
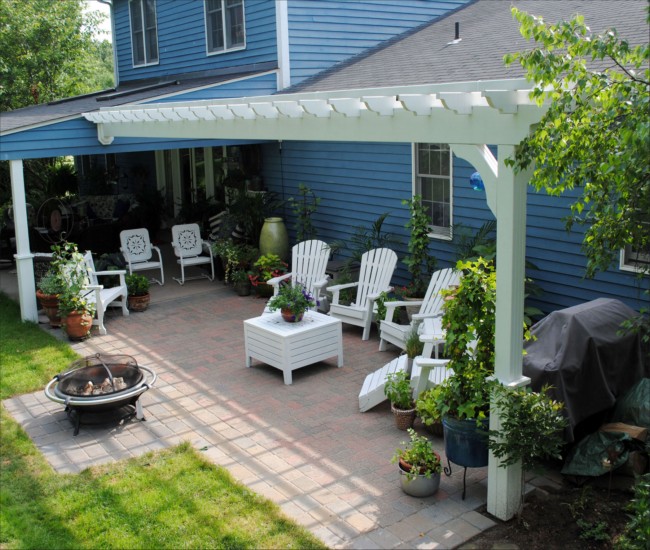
633 259
144 33
433 182
224 25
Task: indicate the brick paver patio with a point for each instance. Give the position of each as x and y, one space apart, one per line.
305 446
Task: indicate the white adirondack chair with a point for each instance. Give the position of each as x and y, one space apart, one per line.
375 273
188 247
372 391
138 252
308 266
430 307
427 372
104 298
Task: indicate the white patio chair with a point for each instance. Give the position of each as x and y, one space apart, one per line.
427 372
430 307
138 252
308 266
375 273
188 247
104 298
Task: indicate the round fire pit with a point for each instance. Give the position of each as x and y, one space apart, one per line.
101 383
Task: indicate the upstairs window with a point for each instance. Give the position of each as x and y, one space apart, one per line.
224 25
433 182
144 34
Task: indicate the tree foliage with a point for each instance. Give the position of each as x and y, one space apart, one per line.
595 134
47 52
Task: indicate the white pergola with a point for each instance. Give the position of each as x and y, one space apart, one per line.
467 115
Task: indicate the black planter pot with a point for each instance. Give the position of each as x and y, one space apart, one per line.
465 443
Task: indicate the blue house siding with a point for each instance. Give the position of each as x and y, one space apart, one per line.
327 32
358 181
182 42
79 137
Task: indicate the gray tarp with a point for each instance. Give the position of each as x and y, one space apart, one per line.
581 353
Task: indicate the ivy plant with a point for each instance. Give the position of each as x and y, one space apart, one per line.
420 262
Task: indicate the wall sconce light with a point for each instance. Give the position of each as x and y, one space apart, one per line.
476 182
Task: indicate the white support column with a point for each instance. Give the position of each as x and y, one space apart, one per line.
504 484
24 259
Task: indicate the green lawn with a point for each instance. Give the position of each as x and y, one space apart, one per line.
168 499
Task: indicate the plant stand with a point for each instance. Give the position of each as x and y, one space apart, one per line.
465 445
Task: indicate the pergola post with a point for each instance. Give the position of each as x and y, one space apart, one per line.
504 484
24 258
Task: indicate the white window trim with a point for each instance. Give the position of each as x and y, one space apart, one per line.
448 234
628 264
223 15
145 64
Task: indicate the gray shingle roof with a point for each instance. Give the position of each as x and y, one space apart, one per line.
132 92
487 32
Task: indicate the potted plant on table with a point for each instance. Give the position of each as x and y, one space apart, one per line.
419 466
49 289
76 303
292 301
266 267
138 296
398 391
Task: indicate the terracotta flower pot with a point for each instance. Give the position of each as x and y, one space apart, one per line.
289 317
138 303
50 303
77 325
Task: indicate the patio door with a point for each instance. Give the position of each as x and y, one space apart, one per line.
186 176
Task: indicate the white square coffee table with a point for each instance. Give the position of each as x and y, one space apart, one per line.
290 346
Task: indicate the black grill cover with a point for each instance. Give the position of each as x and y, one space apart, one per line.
581 352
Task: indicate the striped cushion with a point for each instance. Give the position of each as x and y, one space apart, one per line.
215 225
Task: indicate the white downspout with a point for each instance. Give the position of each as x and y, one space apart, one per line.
24 258
282 34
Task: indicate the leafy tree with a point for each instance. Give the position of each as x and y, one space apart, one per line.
595 134
47 52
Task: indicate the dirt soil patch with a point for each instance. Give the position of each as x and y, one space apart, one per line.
587 517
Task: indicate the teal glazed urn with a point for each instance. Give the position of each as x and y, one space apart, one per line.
274 238
465 443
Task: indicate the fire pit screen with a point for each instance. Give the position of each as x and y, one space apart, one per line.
100 384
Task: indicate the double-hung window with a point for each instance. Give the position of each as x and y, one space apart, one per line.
433 182
224 25
144 33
